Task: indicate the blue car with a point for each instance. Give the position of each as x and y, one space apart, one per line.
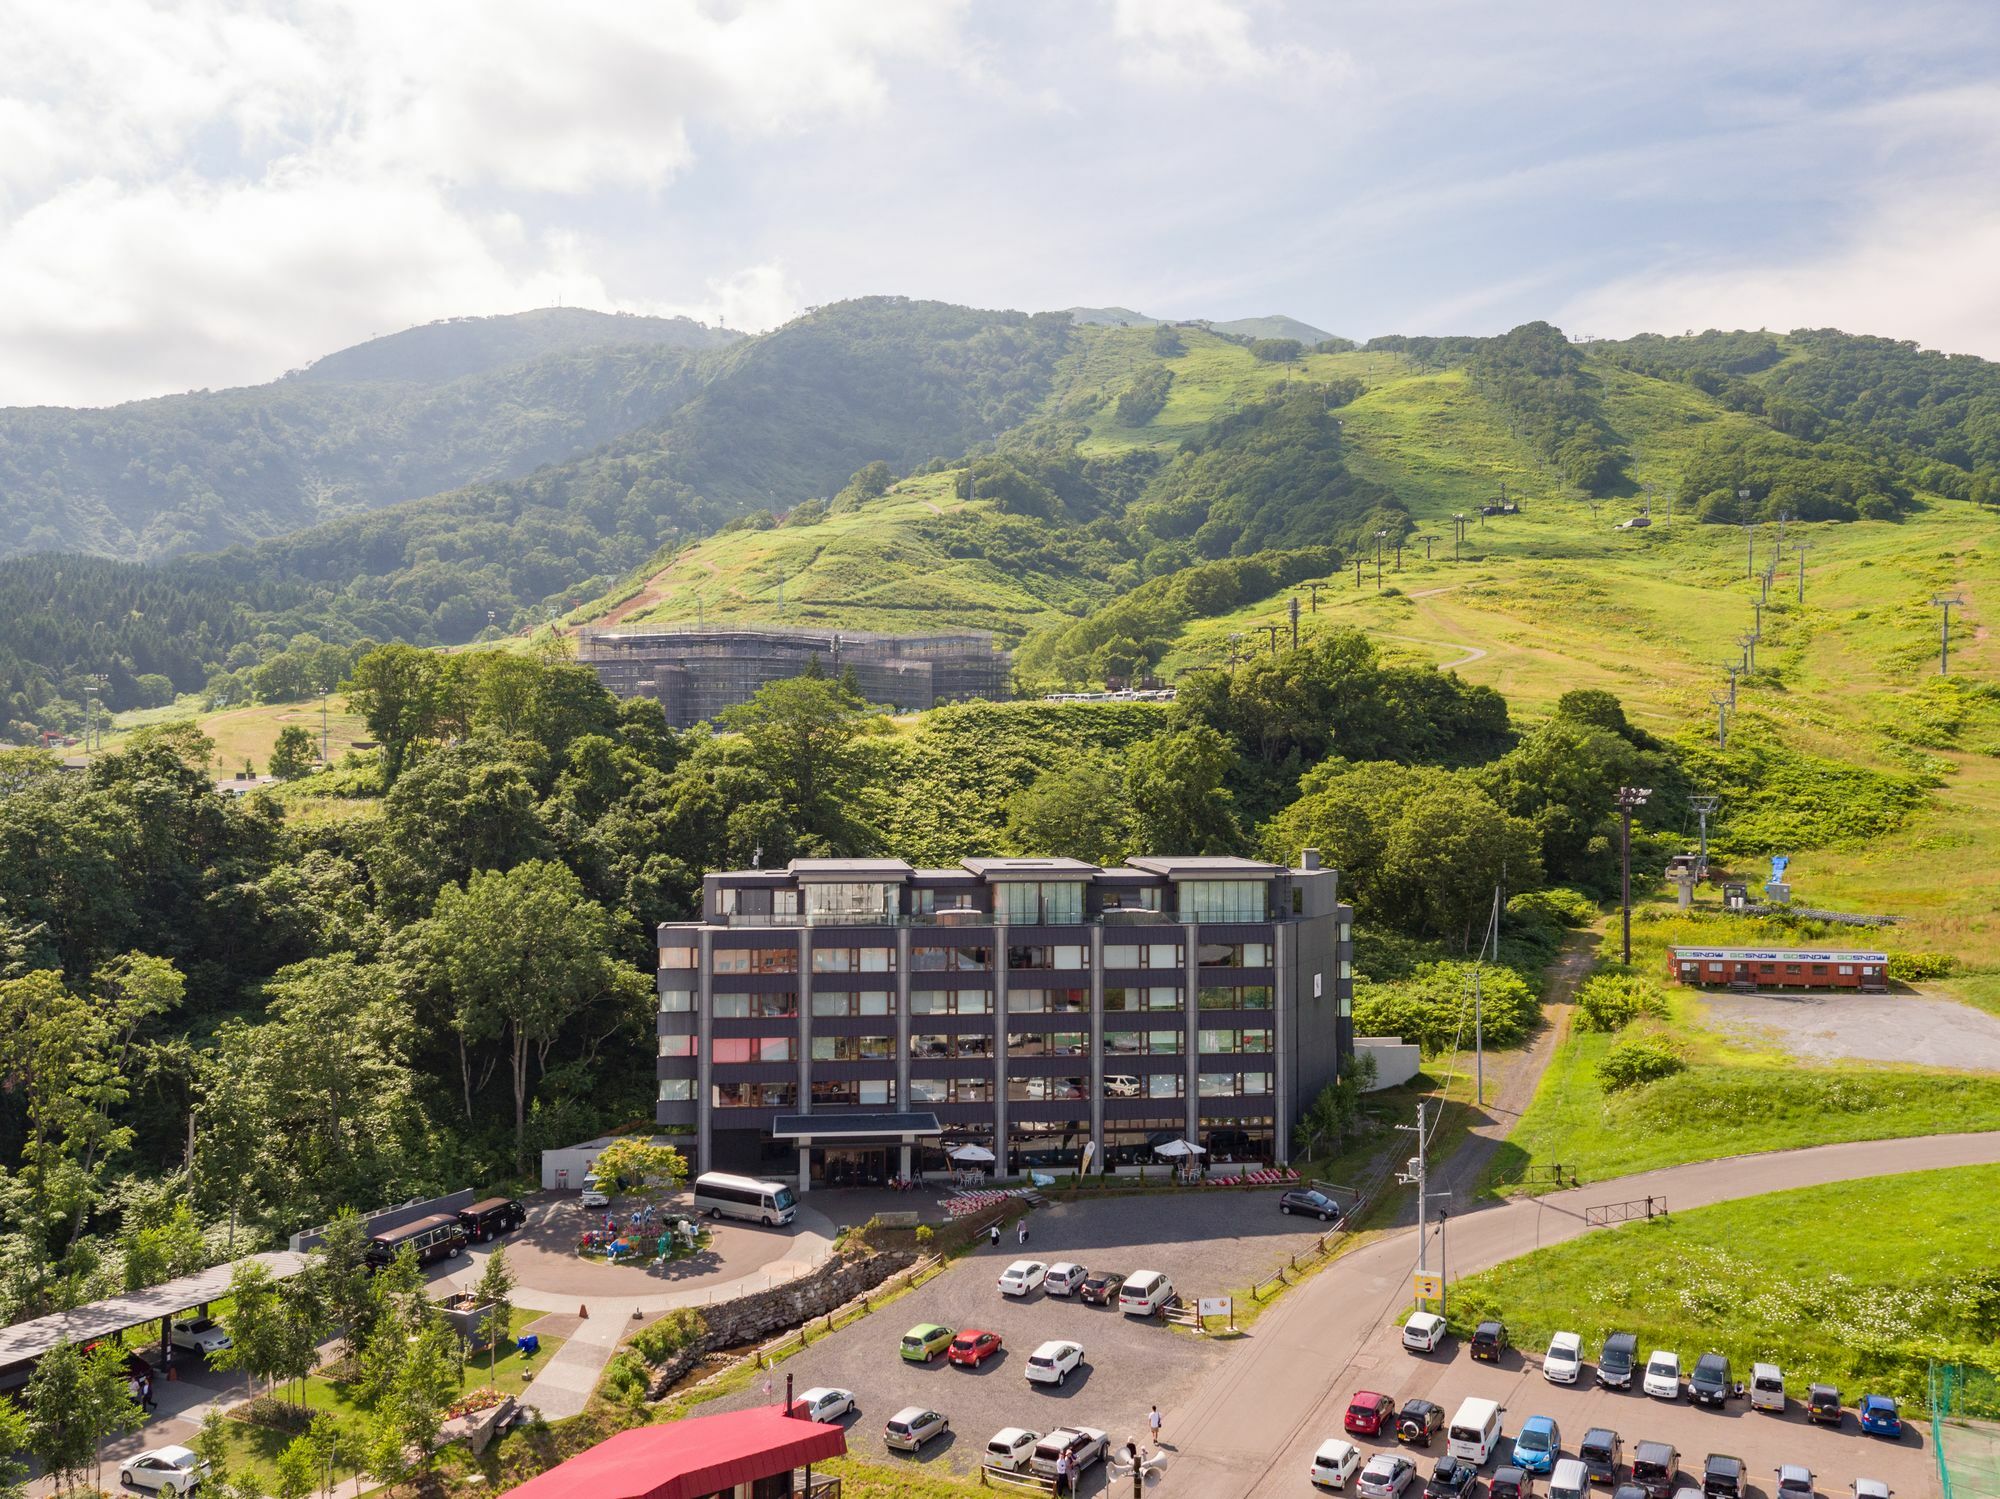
1538 1446
1879 1416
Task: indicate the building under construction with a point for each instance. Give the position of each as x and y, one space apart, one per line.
695 673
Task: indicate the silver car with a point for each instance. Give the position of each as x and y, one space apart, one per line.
1385 1477
912 1426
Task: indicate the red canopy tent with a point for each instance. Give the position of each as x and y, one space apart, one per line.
691 1458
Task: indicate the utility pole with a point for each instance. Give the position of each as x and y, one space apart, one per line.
1478 1003
1357 572
1629 799
1944 639
1379 537
1418 1175
1272 631
1721 720
324 758
1757 619
1703 805
1315 587
1427 547
1235 650
1733 673
1399 554
1458 533
1749 654
1292 608
1750 537
1802 570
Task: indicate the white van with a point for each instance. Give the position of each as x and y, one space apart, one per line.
1570 1480
723 1196
1475 1431
1767 1388
1144 1293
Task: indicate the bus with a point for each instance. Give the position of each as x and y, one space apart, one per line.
437 1237
723 1196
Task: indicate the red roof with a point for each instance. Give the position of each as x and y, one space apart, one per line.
689 1459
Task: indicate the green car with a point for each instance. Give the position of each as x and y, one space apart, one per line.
925 1342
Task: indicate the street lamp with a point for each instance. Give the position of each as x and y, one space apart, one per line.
1630 798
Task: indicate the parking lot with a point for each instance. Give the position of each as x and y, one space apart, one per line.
1929 1030
1762 1439
1204 1243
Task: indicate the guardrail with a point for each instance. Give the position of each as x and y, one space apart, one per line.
1608 1213
991 1477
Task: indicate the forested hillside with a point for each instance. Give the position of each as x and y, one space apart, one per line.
394 419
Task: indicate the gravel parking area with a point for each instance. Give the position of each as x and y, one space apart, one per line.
1762 1439
1933 1032
1205 1243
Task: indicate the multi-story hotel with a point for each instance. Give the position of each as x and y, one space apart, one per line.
852 1020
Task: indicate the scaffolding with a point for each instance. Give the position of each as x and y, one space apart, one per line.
695 673
1965 1430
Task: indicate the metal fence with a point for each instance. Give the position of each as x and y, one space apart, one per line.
1965 1430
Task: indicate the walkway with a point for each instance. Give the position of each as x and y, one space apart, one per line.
1252 1432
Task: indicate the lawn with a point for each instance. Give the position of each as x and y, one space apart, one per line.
1733 1099
1826 1282
249 733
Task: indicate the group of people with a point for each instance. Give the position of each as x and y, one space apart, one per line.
140 1388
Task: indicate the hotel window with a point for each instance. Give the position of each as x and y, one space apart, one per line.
1239 997
856 1090
676 1001
780 1005
1058 955
676 1090
750 1049
753 1095
680 957
1048 1001
861 903
1223 900
951 959
1144 955
1144 1043
1119 998
854 960
1230 1084
930 902
855 1002
764 906
1141 898
951 1002
1234 955
951 1090
1038 903
755 960
1045 1043
941 1047
853 1048
677 1046
1230 1042
1046 1089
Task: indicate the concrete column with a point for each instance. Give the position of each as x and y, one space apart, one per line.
805 1169
1001 1165
805 1020
904 1169
900 1029
1191 935
1285 1000
1097 1039
704 1028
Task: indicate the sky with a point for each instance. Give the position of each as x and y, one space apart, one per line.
207 193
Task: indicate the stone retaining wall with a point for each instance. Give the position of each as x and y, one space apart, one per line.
755 1317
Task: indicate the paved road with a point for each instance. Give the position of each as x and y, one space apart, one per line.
1250 1430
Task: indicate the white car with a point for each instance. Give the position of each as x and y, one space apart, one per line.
1021 1277
1064 1277
822 1403
1564 1360
199 1335
164 1470
1084 1444
1052 1362
1335 1464
1386 1476
593 1197
1010 1447
1663 1375
1423 1332
912 1426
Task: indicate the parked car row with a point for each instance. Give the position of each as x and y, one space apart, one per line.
1710 1382
1051 1363
1143 1293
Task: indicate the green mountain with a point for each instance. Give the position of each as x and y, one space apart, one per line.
1277 325
397 418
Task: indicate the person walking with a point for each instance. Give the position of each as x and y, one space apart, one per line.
993 1228
138 1395
1062 1473
1153 1421
146 1399
1022 1232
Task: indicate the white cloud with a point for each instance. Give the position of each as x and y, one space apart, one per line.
1181 41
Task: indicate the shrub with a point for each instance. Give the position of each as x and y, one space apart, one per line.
625 1381
1612 1001
1558 903
1433 1007
1915 967
926 1236
1638 1059
668 1336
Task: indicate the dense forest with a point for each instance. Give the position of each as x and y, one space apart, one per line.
395 419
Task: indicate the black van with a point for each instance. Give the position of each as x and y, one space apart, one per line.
491 1218
435 1238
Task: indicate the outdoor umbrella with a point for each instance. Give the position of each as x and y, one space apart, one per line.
971 1153
1178 1148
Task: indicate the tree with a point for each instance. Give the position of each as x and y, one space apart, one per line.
495 1291
255 1323
633 1163
293 755
16 1438
75 1403
1174 786
340 1263
1335 1107
1075 809
409 1413
406 696
801 732
524 953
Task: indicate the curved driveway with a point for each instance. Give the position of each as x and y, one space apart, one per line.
1253 1429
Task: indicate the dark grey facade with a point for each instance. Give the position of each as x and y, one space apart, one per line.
695 673
1032 1007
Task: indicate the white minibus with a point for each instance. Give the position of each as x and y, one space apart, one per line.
723 1196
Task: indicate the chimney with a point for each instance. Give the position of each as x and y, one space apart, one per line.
1309 858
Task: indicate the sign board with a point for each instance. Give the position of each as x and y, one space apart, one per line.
1213 1306
1319 986
1089 1156
1778 955
1427 1284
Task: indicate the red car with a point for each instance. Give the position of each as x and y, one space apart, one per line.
1370 1414
972 1347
